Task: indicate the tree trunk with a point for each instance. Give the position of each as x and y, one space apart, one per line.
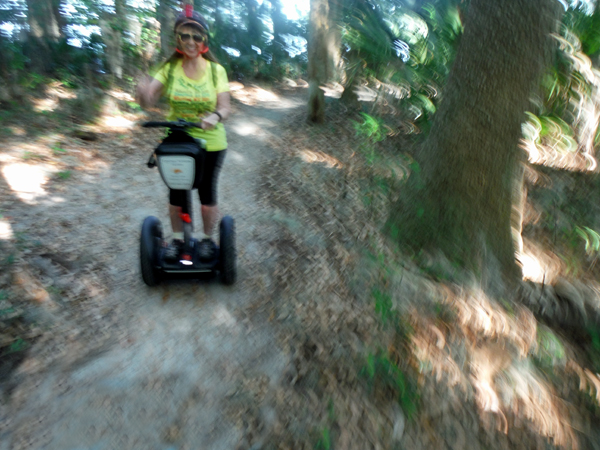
471 161
166 18
334 40
253 22
319 58
218 18
278 19
113 26
45 27
44 19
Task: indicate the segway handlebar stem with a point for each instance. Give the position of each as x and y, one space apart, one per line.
179 124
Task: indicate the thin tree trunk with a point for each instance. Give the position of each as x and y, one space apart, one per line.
278 19
318 58
334 40
462 204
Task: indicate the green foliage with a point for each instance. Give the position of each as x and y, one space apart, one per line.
410 52
58 150
64 175
18 345
32 80
134 106
370 129
591 238
324 442
550 350
383 373
31 156
370 132
383 305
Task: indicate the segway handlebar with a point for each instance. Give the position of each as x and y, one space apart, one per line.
180 125
176 124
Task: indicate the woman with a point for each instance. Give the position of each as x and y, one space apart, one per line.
198 91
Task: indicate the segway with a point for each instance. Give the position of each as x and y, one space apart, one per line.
179 159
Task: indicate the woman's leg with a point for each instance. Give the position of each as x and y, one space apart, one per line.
208 190
210 216
176 222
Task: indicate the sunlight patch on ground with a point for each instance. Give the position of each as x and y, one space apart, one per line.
494 345
251 95
17 131
539 266
236 156
244 128
223 317
588 381
54 93
235 86
26 181
6 232
531 397
45 104
125 96
117 122
320 157
532 269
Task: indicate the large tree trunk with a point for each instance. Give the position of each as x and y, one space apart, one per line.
166 18
471 160
45 27
320 47
44 19
113 26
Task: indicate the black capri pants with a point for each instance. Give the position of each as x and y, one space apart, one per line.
207 189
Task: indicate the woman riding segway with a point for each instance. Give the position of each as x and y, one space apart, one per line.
197 90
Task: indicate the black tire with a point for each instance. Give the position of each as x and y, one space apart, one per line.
150 241
227 244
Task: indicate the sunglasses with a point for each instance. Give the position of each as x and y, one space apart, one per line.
185 37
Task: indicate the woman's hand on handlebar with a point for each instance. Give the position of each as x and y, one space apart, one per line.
209 122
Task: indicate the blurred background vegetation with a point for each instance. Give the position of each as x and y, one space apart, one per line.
384 66
398 51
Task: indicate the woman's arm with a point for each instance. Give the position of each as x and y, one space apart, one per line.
148 92
223 108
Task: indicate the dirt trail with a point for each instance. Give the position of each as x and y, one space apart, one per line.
138 367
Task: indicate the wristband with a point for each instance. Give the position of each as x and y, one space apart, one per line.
218 114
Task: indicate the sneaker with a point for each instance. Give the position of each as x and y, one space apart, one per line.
173 251
206 249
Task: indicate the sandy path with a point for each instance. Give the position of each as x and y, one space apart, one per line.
172 356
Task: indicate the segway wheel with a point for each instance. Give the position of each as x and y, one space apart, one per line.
150 241
227 244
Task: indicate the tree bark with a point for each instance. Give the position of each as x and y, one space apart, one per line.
113 26
319 57
166 18
44 19
278 19
253 22
461 204
334 40
45 28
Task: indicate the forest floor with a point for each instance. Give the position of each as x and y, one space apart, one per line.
329 338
